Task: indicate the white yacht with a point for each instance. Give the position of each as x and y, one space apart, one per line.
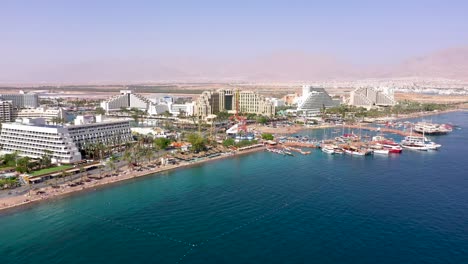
329 149
419 143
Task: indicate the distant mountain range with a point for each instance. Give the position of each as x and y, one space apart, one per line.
290 66
449 63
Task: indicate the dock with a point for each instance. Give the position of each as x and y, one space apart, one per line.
380 129
300 144
299 150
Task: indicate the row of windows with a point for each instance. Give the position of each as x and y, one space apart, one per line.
98 127
107 131
22 143
31 132
26 139
26 136
39 151
38 154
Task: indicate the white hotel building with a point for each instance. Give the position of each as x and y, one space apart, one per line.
126 99
33 138
94 130
369 97
41 112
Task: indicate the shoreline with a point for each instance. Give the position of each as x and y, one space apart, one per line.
23 200
428 114
19 201
298 128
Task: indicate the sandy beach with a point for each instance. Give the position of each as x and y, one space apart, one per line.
48 193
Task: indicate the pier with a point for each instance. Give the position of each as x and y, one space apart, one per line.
300 144
380 129
299 150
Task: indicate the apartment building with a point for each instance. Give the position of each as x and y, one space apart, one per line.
6 111
22 100
232 100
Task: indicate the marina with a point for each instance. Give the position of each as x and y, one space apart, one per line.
363 145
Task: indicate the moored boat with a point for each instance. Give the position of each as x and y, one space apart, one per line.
329 149
351 150
414 143
432 145
381 151
419 143
387 144
414 146
432 129
277 151
393 148
338 150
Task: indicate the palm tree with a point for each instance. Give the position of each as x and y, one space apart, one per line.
45 159
86 151
149 154
128 157
100 111
323 111
100 170
138 153
57 120
156 148
82 171
101 151
62 175
111 164
90 150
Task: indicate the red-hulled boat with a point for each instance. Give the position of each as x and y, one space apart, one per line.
389 144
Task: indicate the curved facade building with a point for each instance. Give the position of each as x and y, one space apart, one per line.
126 99
313 99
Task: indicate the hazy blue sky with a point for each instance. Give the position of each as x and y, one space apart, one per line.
358 31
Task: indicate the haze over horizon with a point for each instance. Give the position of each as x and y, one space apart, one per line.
130 41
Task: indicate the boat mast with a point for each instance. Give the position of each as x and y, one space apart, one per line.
360 131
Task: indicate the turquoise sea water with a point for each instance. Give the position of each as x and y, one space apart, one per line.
263 208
